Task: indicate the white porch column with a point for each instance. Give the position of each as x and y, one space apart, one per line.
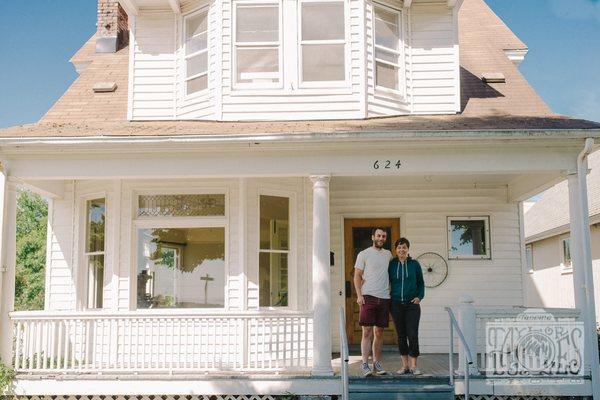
8 220
321 277
575 240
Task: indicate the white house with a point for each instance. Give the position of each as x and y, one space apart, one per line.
548 278
216 166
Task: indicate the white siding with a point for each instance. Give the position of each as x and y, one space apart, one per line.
154 66
422 213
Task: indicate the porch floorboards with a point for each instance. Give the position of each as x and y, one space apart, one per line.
432 364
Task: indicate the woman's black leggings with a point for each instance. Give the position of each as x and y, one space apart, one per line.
406 319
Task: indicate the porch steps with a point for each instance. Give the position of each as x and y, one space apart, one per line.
401 388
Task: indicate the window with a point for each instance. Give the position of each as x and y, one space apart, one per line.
323 41
468 238
94 250
274 251
529 257
388 55
565 251
181 261
196 52
257 51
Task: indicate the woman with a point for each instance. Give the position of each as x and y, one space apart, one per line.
407 290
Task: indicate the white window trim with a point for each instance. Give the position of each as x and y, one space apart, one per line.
401 91
83 281
488 251
565 269
177 222
185 57
348 67
292 271
235 44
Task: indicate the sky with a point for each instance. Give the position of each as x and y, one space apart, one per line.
37 38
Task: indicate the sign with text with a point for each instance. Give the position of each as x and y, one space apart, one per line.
534 343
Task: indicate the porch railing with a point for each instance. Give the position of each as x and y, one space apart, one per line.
96 342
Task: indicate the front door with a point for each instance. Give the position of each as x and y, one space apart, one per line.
357 237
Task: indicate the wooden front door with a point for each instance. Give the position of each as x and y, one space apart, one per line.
357 237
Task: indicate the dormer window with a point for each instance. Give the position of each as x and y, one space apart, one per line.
323 41
388 53
257 53
196 51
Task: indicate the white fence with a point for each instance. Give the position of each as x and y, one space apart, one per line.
161 341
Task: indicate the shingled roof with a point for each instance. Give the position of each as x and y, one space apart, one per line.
549 216
513 105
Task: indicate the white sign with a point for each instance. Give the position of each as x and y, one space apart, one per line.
534 343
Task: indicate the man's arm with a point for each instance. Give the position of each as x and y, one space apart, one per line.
358 282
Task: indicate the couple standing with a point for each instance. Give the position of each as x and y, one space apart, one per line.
385 284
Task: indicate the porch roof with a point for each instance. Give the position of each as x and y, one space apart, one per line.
437 127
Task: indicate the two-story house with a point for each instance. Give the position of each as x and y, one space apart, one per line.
217 165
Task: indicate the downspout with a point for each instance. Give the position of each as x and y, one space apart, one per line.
589 317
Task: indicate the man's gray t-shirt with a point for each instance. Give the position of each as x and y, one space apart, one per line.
375 263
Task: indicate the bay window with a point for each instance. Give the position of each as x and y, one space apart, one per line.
181 251
388 54
322 41
257 44
196 51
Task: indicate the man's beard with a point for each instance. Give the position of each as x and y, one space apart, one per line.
378 245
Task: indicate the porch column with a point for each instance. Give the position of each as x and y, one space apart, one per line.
321 277
8 220
575 240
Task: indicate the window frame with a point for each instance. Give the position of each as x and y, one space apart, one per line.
529 258
565 268
487 227
138 223
235 85
185 57
400 53
292 292
302 84
83 269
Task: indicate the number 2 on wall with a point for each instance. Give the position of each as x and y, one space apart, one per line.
386 164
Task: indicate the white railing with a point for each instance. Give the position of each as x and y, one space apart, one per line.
161 341
485 315
467 353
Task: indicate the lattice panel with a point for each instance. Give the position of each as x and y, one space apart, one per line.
496 397
181 397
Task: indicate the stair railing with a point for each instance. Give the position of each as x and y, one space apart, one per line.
467 351
344 355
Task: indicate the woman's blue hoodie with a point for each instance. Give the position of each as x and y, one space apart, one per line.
406 280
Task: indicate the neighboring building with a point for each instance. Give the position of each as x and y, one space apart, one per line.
212 180
549 274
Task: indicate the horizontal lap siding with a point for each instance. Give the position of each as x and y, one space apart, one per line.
60 284
423 212
433 59
154 67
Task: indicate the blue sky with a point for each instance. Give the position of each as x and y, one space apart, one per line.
37 38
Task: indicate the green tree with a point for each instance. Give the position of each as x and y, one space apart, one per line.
32 219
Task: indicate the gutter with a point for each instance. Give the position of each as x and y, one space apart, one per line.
309 137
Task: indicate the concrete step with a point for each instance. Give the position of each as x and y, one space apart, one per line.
401 388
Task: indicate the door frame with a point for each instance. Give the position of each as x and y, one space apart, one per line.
372 216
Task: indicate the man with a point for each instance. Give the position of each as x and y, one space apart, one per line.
407 291
373 290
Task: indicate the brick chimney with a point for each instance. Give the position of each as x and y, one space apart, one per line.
112 27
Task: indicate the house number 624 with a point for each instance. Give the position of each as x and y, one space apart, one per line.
386 164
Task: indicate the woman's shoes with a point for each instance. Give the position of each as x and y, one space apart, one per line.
403 371
416 371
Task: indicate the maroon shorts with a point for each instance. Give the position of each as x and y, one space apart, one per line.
375 312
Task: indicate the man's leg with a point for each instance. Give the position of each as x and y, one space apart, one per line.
377 343
366 342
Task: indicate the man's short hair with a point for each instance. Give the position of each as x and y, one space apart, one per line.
402 240
377 229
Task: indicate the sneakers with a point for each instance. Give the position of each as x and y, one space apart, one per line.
378 369
403 371
366 370
416 371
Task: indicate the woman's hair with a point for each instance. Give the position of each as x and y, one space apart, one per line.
402 240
